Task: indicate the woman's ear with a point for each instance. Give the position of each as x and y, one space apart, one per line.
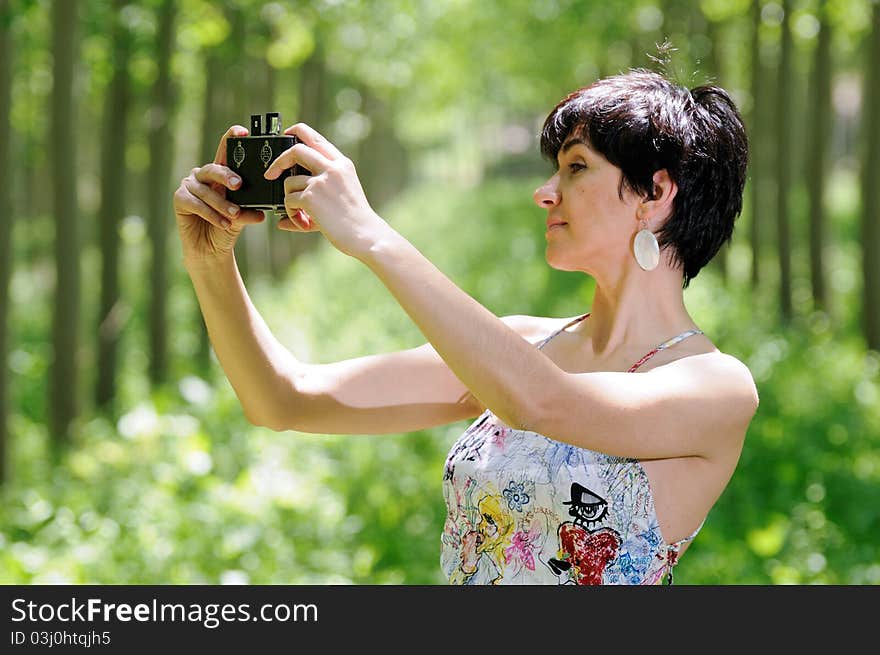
659 206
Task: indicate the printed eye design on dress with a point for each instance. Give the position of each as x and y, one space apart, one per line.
586 507
583 553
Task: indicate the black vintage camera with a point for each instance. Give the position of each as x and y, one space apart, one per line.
251 155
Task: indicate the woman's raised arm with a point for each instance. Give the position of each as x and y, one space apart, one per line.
376 394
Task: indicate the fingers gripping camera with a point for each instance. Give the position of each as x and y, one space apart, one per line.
251 155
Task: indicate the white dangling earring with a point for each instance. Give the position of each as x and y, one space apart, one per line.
646 249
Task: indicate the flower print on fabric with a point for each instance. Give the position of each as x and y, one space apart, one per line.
521 549
526 509
528 542
501 531
516 496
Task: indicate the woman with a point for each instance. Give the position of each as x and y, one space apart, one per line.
576 471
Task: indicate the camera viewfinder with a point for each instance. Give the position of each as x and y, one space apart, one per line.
273 123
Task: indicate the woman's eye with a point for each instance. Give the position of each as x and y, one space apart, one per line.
576 166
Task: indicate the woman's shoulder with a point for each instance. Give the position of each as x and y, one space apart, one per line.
725 374
713 361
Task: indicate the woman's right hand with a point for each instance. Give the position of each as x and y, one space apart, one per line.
207 222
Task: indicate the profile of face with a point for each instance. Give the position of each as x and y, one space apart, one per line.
495 525
589 222
471 544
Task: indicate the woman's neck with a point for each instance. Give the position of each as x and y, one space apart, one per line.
637 307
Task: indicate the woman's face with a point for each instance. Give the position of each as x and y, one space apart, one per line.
598 226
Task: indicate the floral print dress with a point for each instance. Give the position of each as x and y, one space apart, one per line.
526 509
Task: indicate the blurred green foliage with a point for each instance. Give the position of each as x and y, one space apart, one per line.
177 487
182 490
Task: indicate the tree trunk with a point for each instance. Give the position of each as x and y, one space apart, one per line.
65 320
248 34
783 163
382 157
279 246
238 71
112 315
756 162
160 139
212 120
27 199
871 188
818 134
713 32
313 102
6 218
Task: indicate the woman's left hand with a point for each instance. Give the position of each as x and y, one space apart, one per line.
331 200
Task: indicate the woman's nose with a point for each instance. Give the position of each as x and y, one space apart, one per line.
547 194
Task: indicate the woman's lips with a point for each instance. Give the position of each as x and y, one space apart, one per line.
555 225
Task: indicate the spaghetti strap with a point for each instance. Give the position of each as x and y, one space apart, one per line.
567 325
666 344
673 549
663 346
689 537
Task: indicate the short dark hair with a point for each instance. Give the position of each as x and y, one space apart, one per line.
642 122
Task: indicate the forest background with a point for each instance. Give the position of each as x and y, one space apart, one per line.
125 456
